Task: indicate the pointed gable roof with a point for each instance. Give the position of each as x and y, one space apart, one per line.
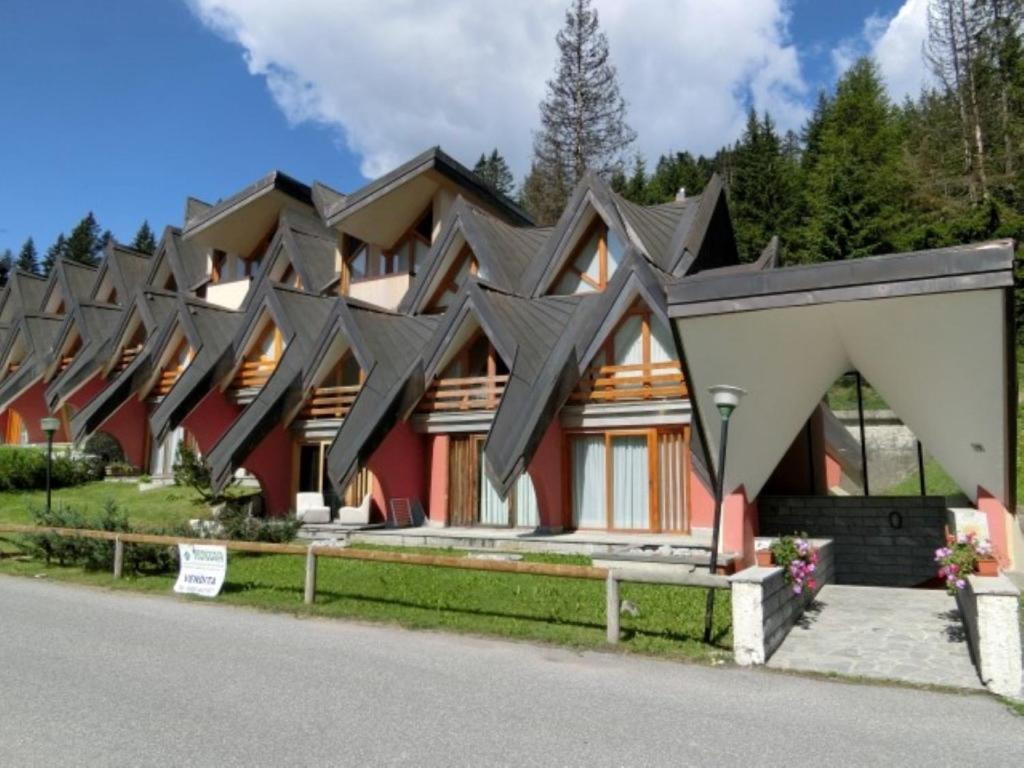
156 310
124 268
22 293
394 344
300 317
503 252
210 330
37 332
96 325
73 279
309 246
180 258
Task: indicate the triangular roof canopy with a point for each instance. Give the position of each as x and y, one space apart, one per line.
919 326
23 293
238 223
310 248
382 210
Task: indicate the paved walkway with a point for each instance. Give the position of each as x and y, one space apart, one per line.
913 635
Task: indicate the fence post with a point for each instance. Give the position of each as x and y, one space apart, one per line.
118 557
310 594
612 606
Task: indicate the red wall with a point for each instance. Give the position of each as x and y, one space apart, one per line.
399 466
547 474
210 419
271 463
31 405
129 425
86 392
437 461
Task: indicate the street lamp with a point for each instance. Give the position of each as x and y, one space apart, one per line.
49 425
726 399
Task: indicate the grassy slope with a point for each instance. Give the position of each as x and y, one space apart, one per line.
564 611
160 507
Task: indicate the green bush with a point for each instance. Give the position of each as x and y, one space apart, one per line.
121 469
98 554
105 447
24 469
237 523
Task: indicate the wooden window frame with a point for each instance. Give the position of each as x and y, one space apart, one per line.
654 517
383 265
449 282
597 225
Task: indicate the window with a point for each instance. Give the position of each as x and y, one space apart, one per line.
592 263
366 260
261 360
313 478
227 267
629 479
473 498
637 362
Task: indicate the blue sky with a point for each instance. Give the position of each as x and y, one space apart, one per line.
127 111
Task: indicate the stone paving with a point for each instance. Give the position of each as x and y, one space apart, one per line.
911 635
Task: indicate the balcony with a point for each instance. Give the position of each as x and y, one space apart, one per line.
65 362
330 402
641 381
168 377
476 393
253 374
128 355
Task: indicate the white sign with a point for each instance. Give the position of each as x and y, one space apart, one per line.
203 567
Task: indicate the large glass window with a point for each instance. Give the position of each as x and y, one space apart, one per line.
592 263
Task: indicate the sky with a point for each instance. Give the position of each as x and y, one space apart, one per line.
126 107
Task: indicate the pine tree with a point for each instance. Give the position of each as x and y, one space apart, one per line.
28 258
85 241
495 172
636 185
6 265
583 115
144 241
59 250
855 184
762 192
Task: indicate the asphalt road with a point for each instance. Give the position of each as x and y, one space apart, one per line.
96 678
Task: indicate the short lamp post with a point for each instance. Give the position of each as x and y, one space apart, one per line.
726 399
49 425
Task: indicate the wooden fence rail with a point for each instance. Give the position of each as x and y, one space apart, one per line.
612 578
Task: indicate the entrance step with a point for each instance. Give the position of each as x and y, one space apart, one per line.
908 635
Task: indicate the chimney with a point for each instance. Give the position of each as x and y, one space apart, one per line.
681 195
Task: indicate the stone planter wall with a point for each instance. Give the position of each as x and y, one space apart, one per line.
989 606
764 607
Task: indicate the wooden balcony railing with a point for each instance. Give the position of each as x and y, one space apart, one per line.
330 402
476 393
609 383
13 367
168 376
253 374
65 362
128 354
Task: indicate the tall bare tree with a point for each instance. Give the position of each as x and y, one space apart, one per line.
583 115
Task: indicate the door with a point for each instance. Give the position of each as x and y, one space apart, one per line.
473 498
462 469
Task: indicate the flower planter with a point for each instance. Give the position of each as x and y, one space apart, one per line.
987 566
765 559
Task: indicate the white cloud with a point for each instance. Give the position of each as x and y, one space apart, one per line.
896 44
397 76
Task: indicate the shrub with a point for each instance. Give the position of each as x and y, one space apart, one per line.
24 469
193 471
959 559
121 469
105 447
237 523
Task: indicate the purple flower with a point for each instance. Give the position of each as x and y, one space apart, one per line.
960 583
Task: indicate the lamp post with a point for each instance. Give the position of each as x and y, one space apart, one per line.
49 425
726 399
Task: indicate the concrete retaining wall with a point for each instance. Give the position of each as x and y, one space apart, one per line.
881 541
764 607
989 607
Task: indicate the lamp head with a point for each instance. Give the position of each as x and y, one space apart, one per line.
49 424
726 398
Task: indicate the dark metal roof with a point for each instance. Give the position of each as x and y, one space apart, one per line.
200 214
308 245
966 267
433 159
300 317
210 330
74 278
325 198
97 325
157 311
394 380
126 268
23 292
38 332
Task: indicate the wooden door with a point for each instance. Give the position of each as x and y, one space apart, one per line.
462 472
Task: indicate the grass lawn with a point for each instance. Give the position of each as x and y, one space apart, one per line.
936 481
161 507
557 610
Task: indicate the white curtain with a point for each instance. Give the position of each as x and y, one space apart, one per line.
615 249
165 453
629 343
493 511
630 491
527 515
662 347
588 482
